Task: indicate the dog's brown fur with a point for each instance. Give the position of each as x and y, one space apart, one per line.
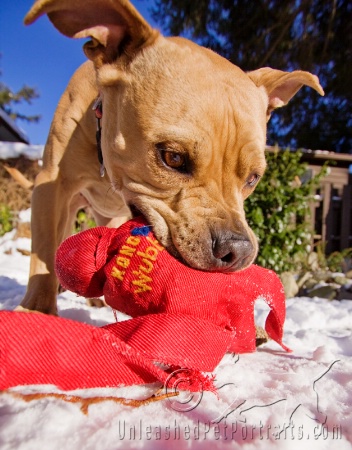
166 102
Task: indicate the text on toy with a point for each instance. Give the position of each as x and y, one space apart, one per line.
147 257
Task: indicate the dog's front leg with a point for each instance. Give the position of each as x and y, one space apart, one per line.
53 210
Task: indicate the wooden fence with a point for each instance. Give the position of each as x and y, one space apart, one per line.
331 213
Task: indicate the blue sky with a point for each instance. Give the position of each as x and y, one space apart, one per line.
39 56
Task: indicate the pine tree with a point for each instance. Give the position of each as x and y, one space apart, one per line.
10 99
312 35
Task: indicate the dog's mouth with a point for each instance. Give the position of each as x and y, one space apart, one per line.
135 211
170 247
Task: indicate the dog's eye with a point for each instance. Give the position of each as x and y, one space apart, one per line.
174 160
252 180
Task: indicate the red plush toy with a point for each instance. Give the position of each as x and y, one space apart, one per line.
181 317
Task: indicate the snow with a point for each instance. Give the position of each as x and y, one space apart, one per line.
265 399
16 149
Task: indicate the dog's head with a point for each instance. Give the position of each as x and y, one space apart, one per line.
184 130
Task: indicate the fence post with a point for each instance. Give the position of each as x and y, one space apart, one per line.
326 218
346 218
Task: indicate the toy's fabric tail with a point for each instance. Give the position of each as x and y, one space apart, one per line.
256 282
38 349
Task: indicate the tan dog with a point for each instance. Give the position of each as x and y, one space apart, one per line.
183 138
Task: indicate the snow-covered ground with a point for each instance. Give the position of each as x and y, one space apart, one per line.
268 399
16 149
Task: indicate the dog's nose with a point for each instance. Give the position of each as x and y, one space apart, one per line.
232 251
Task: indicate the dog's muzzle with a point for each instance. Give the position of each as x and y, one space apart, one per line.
231 251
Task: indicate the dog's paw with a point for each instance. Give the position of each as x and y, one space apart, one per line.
20 308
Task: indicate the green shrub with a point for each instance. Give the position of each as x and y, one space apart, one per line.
278 211
6 219
84 220
340 261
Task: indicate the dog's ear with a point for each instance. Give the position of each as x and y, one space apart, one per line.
282 86
114 26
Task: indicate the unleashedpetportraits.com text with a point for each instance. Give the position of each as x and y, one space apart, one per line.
225 430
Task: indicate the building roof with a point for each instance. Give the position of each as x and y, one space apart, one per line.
9 131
